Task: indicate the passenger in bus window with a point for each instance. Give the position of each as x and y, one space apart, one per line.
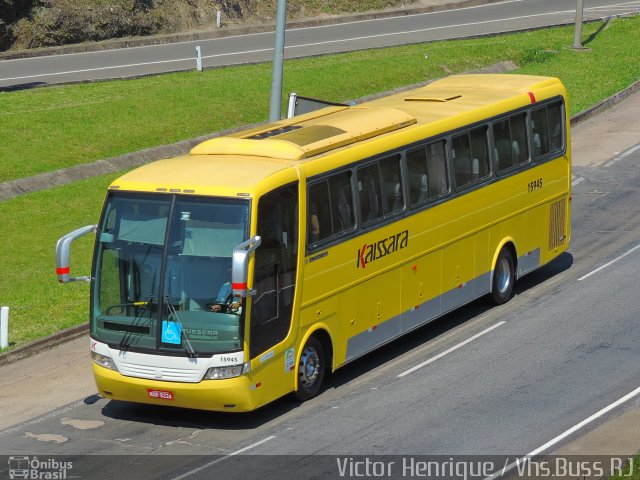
314 224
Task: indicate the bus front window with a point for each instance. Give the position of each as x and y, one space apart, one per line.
163 273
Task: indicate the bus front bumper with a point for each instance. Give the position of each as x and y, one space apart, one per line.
228 395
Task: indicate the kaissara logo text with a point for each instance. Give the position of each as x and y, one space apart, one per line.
381 248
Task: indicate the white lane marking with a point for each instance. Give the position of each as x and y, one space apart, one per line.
452 349
622 156
315 44
237 452
566 433
609 263
577 180
51 74
194 42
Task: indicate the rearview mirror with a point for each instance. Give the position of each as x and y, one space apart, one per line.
63 254
240 266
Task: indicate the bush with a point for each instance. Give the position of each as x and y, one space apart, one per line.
12 10
60 22
6 37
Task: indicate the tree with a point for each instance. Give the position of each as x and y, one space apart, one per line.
12 10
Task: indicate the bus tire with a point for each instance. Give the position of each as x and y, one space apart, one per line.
311 369
504 277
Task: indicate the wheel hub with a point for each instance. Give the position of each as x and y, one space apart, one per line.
504 275
309 366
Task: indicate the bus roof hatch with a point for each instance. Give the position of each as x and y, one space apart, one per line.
309 137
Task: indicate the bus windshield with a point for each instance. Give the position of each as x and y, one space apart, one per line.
162 278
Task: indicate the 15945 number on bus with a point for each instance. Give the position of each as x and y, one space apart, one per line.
535 185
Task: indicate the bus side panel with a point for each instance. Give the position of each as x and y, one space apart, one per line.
458 260
271 378
482 282
421 287
377 312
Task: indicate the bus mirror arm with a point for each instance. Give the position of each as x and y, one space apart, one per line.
63 255
240 266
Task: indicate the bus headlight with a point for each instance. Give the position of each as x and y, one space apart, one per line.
218 373
104 361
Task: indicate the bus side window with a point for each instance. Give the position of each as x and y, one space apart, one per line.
319 217
547 128
554 118
437 167
519 143
418 176
539 129
380 189
390 178
427 173
341 202
470 153
369 193
479 153
510 140
330 208
461 154
502 142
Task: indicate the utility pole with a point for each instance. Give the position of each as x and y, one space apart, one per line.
577 37
278 63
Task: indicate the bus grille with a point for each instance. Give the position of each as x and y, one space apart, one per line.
557 224
164 374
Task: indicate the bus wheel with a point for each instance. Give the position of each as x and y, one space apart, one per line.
310 370
504 277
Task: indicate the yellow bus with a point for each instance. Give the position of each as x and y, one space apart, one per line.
229 277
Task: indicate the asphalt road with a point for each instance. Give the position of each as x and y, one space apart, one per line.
505 16
499 380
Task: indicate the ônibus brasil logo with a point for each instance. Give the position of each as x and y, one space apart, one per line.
381 248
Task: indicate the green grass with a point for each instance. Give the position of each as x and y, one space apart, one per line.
31 225
45 129
631 472
51 128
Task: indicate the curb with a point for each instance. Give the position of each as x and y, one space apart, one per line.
145 156
235 30
605 104
33 348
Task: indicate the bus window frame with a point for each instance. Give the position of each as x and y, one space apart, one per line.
551 154
519 166
333 239
447 136
397 152
466 130
424 144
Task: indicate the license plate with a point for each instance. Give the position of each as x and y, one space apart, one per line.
160 394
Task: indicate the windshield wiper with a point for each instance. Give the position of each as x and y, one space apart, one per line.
191 353
124 342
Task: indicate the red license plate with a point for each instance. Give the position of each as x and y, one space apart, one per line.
160 394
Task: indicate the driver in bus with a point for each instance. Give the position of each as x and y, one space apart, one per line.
226 301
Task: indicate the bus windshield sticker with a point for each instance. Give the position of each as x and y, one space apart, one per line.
171 332
382 248
289 360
